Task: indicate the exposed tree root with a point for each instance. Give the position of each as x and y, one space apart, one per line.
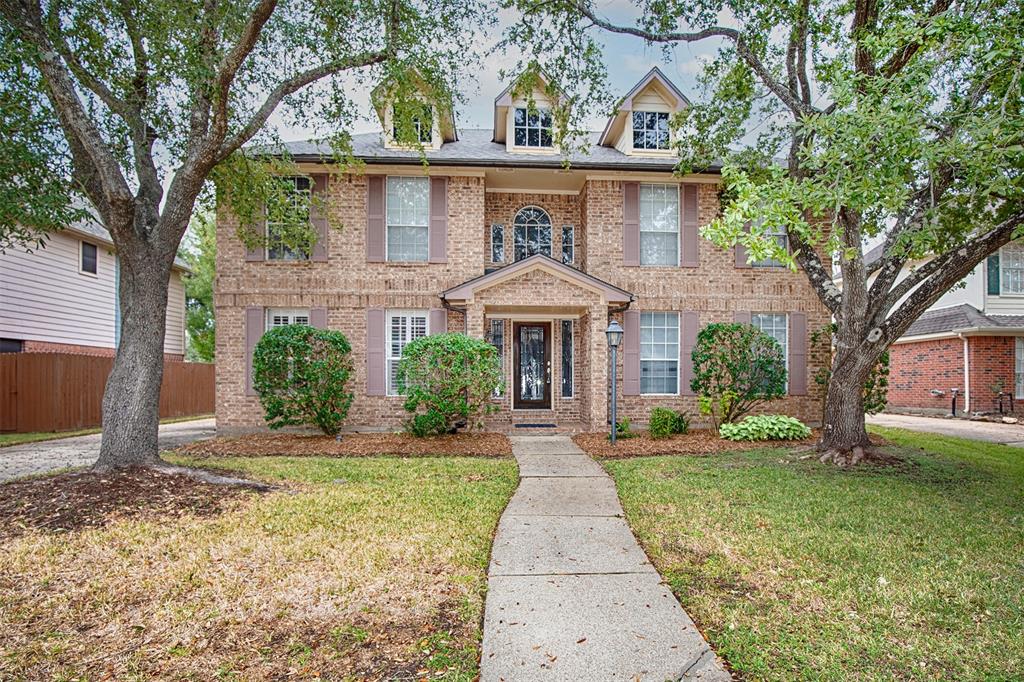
846 458
200 475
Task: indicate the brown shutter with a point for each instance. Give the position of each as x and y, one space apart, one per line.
255 323
318 318
689 216
438 321
259 252
741 317
631 223
376 345
318 217
797 354
690 323
375 219
741 253
631 353
437 238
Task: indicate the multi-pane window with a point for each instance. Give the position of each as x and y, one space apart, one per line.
497 339
532 128
568 244
776 326
404 327
650 130
659 353
1011 264
532 233
567 359
659 224
283 218
282 317
497 243
90 259
779 236
422 125
408 218
1018 367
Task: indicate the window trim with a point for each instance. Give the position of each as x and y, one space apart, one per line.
1002 271
678 231
292 313
571 229
387 223
81 258
572 359
527 128
390 314
679 341
770 263
515 224
633 130
308 255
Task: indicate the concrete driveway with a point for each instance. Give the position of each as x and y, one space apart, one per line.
990 432
47 455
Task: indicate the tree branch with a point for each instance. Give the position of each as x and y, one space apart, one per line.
818 275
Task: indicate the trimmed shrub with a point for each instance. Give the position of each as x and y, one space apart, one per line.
623 430
736 367
664 422
766 427
448 381
301 375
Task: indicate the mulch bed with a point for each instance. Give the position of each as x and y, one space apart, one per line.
699 442
352 445
74 501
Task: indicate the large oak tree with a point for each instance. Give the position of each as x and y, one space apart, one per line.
843 123
128 109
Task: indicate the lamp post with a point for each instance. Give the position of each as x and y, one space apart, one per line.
614 334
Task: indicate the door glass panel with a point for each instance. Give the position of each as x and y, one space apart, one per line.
531 363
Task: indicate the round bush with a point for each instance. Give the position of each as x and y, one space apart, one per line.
301 375
448 381
664 422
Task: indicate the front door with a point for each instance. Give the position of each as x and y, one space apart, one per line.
532 372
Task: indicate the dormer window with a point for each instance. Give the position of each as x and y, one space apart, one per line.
422 125
650 130
532 128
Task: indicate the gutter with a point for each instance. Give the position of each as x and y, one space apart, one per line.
554 164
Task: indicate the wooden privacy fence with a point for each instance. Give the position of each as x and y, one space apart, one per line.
60 392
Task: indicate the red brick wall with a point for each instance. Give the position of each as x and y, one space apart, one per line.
917 368
991 363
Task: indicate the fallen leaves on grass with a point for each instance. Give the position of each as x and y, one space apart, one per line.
352 445
72 501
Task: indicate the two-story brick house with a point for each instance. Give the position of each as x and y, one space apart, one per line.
497 239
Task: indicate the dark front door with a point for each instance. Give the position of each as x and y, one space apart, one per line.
532 350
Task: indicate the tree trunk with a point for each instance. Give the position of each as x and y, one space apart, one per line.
844 436
131 400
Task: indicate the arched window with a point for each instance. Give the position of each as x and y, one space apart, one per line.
532 231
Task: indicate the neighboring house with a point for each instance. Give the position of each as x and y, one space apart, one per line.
62 298
498 240
970 340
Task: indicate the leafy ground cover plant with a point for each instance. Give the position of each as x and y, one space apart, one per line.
736 367
665 422
448 381
766 427
301 375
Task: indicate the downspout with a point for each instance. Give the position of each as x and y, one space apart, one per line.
459 309
967 376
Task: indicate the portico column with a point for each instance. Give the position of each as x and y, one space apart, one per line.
598 370
475 320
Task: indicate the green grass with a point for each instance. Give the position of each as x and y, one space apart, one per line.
8 439
800 571
354 565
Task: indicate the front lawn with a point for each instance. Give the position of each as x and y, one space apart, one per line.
368 568
798 570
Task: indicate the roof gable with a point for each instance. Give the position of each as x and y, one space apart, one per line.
467 291
655 81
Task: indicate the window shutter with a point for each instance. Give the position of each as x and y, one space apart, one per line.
375 219
259 252
689 217
741 317
318 318
437 322
631 223
631 353
318 217
690 327
437 238
992 268
255 322
797 354
376 344
741 252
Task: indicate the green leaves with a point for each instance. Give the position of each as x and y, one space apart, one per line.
665 422
765 427
201 254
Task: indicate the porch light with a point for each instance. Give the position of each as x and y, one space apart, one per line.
614 334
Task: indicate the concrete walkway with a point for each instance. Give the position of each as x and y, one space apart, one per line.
48 455
990 432
571 596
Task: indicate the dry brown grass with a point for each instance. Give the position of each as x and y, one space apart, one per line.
353 445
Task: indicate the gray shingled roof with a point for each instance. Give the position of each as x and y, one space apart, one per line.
475 148
963 316
873 254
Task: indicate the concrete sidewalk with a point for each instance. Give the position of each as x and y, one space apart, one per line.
990 432
571 596
49 455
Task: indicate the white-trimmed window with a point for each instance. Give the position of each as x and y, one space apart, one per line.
1018 369
531 233
88 258
404 327
497 243
650 130
532 128
568 244
775 325
422 125
282 317
659 224
280 218
659 353
568 359
408 218
1011 267
779 236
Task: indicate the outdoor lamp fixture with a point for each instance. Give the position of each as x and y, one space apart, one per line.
614 334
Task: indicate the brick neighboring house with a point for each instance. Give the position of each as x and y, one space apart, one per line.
971 340
498 240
